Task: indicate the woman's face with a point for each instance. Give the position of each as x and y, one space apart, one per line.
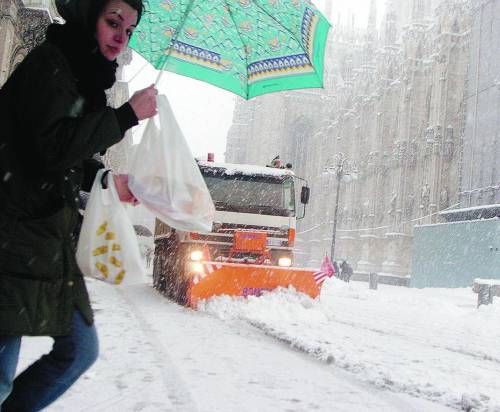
115 25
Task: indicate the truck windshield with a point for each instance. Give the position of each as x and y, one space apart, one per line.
265 195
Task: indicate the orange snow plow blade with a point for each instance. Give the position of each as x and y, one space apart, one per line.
235 279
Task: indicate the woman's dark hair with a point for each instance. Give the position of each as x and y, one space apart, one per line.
136 5
98 5
84 13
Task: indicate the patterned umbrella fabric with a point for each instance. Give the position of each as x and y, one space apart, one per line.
250 47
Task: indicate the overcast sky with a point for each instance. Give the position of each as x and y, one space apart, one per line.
203 111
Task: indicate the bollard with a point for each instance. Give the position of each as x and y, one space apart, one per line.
373 281
484 295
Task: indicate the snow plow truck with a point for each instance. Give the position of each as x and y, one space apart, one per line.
250 247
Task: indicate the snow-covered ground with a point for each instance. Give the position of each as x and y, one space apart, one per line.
354 349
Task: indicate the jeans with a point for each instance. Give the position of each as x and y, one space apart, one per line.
50 376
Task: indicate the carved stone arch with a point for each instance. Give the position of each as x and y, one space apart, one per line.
419 53
349 101
18 55
33 25
390 72
439 28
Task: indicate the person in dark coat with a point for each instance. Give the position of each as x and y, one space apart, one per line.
336 269
53 118
346 271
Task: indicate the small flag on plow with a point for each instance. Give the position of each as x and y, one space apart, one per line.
326 270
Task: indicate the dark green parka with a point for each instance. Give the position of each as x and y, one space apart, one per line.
47 130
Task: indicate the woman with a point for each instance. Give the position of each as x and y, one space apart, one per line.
53 117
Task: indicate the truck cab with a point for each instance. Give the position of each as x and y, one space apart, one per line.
255 205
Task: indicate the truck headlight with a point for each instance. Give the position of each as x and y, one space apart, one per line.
196 255
285 262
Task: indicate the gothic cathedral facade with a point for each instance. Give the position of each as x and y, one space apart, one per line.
393 104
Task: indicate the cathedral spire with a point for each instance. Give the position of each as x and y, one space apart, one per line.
371 34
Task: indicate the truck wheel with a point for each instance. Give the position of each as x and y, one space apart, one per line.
177 283
168 272
159 281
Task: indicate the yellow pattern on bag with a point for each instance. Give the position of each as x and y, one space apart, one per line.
102 228
104 252
120 277
114 261
101 250
103 269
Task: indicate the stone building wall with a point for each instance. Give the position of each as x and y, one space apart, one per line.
22 27
393 104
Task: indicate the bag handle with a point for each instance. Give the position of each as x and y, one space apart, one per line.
104 183
109 185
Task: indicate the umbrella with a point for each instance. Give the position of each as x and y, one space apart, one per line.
249 47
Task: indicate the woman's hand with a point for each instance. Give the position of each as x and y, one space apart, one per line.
143 102
124 193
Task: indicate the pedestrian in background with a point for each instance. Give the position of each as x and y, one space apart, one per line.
346 271
336 269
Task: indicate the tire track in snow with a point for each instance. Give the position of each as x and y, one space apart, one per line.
409 332
478 355
389 390
177 390
317 351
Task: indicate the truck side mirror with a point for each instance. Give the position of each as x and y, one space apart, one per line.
304 195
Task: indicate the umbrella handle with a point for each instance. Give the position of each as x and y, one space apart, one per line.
158 78
137 73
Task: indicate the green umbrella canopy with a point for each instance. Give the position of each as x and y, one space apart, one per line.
249 47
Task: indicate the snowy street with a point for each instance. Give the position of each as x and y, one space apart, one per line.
395 349
244 151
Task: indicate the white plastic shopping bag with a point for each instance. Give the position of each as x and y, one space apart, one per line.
107 248
165 178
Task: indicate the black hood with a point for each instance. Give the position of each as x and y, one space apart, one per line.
92 71
81 13
77 41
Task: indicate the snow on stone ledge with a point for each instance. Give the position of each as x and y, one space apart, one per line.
491 282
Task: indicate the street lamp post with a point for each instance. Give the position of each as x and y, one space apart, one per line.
334 230
343 167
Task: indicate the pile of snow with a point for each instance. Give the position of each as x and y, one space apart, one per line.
429 343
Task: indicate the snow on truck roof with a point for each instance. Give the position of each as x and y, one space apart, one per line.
247 170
